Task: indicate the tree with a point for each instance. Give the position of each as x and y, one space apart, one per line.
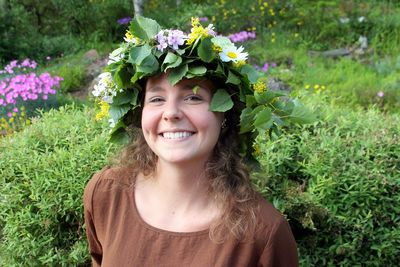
138 5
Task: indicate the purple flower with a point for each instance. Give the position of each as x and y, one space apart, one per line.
256 67
380 94
242 36
9 114
124 21
203 19
15 110
265 67
162 41
176 38
273 65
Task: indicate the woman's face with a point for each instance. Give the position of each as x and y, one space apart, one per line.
176 122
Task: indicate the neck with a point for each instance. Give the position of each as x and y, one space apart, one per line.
180 187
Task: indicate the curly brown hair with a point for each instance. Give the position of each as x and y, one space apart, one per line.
229 179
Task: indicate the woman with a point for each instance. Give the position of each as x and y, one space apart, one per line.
180 196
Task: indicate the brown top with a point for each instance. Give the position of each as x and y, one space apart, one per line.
118 236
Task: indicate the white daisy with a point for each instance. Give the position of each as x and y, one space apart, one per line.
231 53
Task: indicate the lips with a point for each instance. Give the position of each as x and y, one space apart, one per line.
176 135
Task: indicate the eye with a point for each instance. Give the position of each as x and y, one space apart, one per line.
193 98
155 99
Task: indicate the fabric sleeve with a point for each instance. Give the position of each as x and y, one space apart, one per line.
281 249
95 248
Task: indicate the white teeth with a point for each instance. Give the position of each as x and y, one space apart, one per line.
176 135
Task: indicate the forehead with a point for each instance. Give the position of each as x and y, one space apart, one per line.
161 82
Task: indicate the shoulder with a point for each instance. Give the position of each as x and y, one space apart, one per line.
276 237
272 225
108 180
268 215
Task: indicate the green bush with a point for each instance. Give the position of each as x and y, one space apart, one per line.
338 181
43 171
73 75
37 29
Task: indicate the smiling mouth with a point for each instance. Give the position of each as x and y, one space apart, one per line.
176 135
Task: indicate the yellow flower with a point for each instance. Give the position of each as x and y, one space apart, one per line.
195 22
257 149
197 31
316 86
260 86
307 86
239 63
216 48
104 108
323 87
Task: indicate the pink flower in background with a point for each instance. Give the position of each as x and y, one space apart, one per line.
242 36
380 94
265 67
25 86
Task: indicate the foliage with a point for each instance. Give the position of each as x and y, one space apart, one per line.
42 177
338 182
38 29
73 75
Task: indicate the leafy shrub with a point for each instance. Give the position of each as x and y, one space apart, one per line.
43 171
74 77
38 29
338 181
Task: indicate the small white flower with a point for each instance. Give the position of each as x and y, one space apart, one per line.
210 30
361 19
130 39
112 123
116 55
106 88
231 53
363 42
344 20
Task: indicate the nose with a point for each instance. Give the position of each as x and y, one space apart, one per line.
172 111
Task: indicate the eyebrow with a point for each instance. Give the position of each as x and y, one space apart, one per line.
187 87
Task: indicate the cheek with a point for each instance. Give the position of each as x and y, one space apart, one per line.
149 120
210 122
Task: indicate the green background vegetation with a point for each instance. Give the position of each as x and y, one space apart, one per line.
337 180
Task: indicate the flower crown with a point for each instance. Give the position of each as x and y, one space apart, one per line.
149 50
